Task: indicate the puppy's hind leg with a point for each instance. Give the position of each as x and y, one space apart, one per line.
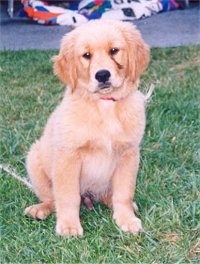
41 186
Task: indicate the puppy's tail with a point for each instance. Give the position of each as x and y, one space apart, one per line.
10 171
149 93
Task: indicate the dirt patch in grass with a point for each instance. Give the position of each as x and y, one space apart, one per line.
186 64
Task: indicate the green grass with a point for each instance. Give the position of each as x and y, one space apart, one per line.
168 189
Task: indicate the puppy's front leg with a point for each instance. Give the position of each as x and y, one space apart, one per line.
123 187
66 188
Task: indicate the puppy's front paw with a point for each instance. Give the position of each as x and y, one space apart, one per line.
69 228
128 222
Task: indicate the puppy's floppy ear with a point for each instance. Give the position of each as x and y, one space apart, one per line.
64 63
138 51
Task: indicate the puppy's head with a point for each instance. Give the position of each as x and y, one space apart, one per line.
102 57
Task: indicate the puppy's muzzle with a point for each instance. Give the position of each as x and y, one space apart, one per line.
102 76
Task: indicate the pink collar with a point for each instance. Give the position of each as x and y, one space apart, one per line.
109 99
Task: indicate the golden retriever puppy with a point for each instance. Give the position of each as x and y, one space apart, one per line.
91 143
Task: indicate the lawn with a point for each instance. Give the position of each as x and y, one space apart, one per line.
168 187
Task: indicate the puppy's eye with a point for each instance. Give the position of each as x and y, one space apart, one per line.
113 51
87 56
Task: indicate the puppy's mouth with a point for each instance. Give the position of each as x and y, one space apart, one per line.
105 85
104 88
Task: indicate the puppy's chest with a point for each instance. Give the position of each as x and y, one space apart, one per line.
109 133
105 128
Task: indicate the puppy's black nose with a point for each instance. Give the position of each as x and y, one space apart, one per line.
102 76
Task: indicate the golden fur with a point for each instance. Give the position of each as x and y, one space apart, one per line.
91 141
